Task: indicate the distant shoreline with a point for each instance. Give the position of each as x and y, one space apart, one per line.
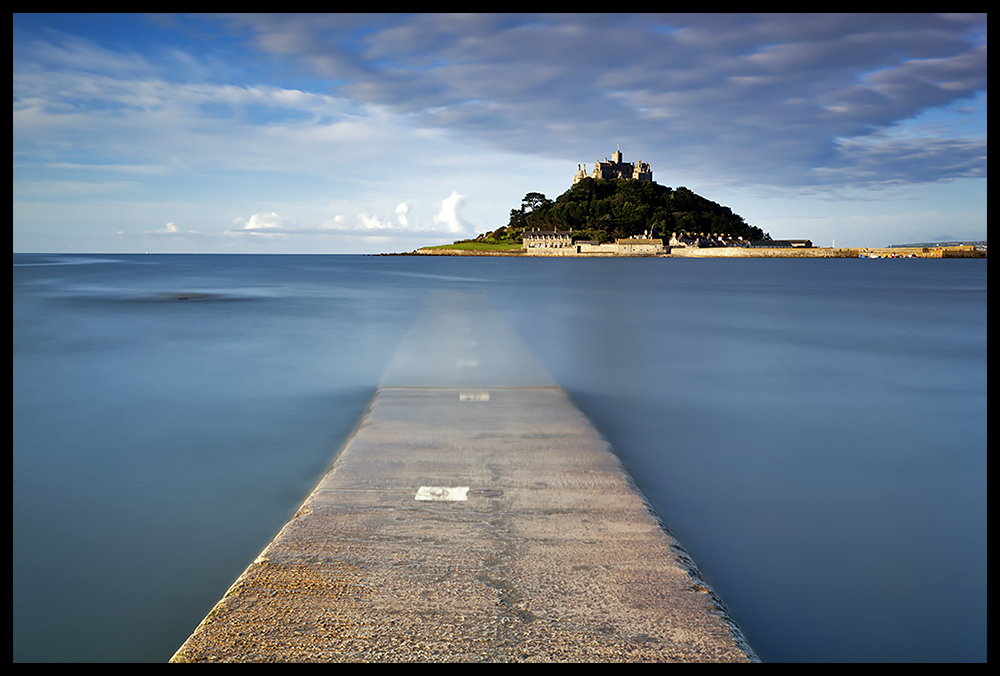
962 251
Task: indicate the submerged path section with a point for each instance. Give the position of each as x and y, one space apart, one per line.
474 515
471 524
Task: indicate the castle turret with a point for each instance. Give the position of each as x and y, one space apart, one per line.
616 168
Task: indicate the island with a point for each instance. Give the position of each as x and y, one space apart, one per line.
619 210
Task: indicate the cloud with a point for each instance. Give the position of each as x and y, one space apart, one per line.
881 160
763 98
449 217
262 224
170 229
332 121
401 210
369 222
447 222
142 122
770 99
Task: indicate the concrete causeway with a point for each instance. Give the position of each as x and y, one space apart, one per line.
470 523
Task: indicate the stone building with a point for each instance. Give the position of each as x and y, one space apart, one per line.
639 246
560 243
546 239
616 168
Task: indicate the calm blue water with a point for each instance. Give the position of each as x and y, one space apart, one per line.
813 431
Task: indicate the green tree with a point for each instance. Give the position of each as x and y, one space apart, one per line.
533 201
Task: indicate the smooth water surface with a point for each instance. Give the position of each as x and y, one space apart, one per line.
813 431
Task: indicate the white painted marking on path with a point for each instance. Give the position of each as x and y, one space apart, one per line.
473 396
448 493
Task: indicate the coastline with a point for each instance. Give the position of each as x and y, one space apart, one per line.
963 251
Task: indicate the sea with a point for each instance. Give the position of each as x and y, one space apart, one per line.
812 431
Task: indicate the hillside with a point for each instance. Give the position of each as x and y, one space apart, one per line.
606 210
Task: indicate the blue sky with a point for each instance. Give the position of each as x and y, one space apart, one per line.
383 133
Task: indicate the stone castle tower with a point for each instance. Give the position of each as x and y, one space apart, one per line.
616 168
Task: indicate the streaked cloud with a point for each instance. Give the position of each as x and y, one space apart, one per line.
771 95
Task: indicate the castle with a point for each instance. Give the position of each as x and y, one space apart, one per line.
616 168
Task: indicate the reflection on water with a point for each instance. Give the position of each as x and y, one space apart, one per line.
813 431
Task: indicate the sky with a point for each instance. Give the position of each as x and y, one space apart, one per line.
383 133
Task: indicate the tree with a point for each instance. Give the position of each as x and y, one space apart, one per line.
517 219
533 201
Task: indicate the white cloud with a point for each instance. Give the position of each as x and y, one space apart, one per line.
266 221
265 224
449 217
170 229
447 222
401 210
370 222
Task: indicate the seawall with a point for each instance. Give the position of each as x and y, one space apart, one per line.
829 252
738 252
